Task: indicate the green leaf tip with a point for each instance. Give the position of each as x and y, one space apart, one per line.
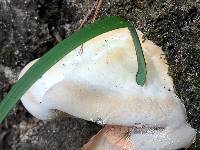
142 71
54 55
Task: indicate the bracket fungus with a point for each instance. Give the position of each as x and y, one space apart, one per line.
100 85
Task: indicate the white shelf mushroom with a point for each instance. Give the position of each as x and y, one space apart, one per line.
100 85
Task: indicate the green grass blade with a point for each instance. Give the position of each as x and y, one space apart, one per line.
142 71
62 49
53 56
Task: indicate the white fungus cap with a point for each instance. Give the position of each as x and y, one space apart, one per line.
100 85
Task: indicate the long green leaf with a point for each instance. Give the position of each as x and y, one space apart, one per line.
53 56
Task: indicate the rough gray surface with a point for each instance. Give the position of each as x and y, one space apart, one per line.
62 133
30 28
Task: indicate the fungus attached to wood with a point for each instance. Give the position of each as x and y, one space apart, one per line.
100 84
